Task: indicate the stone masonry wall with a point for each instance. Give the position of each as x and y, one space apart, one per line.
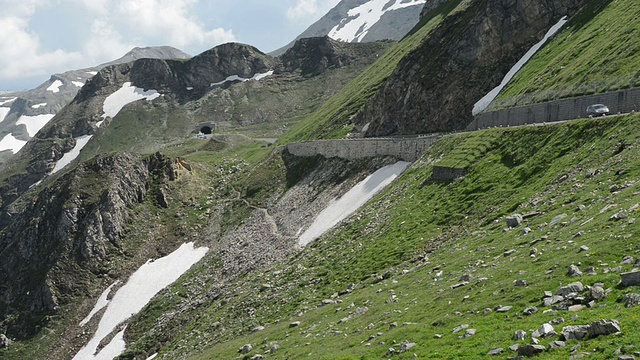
566 109
403 148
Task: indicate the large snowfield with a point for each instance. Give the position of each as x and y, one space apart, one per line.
9 142
362 192
55 87
486 100
125 95
4 111
34 123
362 18
141 287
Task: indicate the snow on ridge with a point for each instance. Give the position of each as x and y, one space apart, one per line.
491 95
78 83
55 87
6 101
352 200
9 142
94 73
141 287
36 106
257 77
100 304
125 95
68 157
34 123
4 111
360 19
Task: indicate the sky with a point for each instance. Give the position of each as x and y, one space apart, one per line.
39 38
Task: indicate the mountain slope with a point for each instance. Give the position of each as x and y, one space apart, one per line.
22 117
364 21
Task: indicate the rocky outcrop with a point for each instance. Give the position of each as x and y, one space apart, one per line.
434 88
313 56
62 238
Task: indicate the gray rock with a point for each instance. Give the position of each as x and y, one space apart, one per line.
294 324
552 300
576 308
630 278
575 287
583 248
556 220
460 328
520 335
626 357
514 220
245 349
627 260
544 331
631 299
525 231
509 252
257 328
575 332
502 309
596 293
4 341
574 271
467 277
257 357
557 321
530 310
469 333
406 346
557 344
604 327
520 282
496 351
531 350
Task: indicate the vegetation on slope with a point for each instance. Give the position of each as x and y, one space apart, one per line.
597 51
406 250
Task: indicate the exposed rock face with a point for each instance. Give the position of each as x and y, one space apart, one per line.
312 56
66 234
434 88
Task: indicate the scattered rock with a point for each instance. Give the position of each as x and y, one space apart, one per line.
257 328
460 328
4 341
552 300
496 351
631 299
502 309
630 278
575 287
530 310
531 350
514 220
467 278
583 248
576 308
596 293
557 344
626 357
514 347
627 260
257 357
544 331
509 252
520 335
245 349
525 231
557 321
294 324
437 336
604 327
390 352
406 346
469 333
574 271
556 220
520 282
575 332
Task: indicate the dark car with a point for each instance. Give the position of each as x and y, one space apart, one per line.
597 110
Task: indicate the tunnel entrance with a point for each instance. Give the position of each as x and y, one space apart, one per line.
206 130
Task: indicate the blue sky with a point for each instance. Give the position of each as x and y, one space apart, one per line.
42 37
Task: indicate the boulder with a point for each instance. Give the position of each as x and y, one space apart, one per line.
245 349
631 299
575 287
520 335
575 332
514 220
574 271
630 278
496 351
531 350
604 327
4 341
544 331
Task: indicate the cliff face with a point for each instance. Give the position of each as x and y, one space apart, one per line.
434 88
59 241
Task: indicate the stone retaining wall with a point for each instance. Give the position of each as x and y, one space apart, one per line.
566 109
403 148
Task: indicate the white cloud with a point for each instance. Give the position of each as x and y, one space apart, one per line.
305 9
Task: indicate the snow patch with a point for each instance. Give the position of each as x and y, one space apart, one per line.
55 87
152 356
189 88
143 285
491 95
94 73
4 111
257 77
360 19
36 106
34 123
340 209
125 95
100 304
6 101
78 83
67 158
11 143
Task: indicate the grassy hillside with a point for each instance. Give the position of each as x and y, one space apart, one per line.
405 252
597 51
331 119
